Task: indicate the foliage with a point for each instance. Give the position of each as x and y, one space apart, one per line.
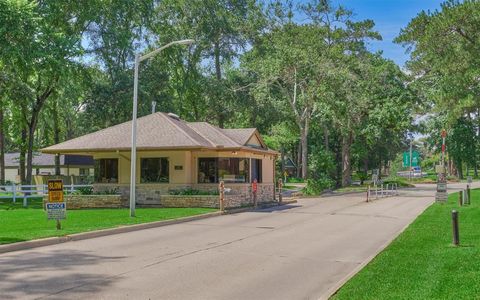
317 186
87 190
192 192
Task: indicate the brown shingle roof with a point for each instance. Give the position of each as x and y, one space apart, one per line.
43 159
240 135
157 131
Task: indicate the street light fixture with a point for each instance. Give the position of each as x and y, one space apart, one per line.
133 158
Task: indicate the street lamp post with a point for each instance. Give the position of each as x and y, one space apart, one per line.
133 158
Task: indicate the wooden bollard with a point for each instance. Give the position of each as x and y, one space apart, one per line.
468 195
460 198
280 186
368 192
456 235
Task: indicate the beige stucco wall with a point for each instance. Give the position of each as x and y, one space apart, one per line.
187 159
11 174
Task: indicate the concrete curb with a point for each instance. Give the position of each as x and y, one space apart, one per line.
334 289
122 229
99 233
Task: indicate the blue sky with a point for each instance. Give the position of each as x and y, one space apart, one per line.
389 16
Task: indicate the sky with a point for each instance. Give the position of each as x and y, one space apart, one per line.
389 17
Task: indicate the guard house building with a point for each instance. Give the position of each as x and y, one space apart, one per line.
173 155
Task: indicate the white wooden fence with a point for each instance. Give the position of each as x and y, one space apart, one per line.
19 191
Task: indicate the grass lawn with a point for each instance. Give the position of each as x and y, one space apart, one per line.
22 224
422 263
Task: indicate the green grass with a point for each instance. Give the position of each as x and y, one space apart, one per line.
22 224
422 263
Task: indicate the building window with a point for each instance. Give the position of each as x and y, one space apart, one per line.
106 170
233 169
154 170
207 170
84 171
257 170
213 170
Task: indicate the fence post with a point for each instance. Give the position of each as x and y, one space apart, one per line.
71 188
381 192
222 196
14 190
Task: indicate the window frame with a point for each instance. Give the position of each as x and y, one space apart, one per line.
98 163
217 170
162 160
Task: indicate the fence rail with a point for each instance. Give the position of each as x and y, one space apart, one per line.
25 191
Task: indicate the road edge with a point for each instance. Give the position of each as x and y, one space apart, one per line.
334 289
121 229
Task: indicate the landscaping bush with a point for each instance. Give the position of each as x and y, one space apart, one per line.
295 180
192 192
86 190
317 186
401 182
362 176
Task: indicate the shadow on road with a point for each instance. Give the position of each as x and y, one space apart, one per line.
276 208
33 274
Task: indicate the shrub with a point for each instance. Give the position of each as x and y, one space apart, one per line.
86 190
317 186
362 176
192 192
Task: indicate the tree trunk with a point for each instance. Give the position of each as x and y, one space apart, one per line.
338 175
218 75
304 138
2 148
346 160
23 151
299 160
31 136
459 169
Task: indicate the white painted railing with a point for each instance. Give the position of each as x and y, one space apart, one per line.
21 191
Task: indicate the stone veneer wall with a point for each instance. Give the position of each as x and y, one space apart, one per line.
158 194
92 201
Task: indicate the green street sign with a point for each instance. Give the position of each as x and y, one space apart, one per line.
415 159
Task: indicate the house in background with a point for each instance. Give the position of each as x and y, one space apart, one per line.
44 165
173 154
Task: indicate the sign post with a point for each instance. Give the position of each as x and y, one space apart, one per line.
56 207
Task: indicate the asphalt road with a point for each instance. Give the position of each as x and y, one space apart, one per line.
298 251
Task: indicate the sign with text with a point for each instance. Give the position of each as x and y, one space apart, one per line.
442 194
415 159
55 190
56 211
56 207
